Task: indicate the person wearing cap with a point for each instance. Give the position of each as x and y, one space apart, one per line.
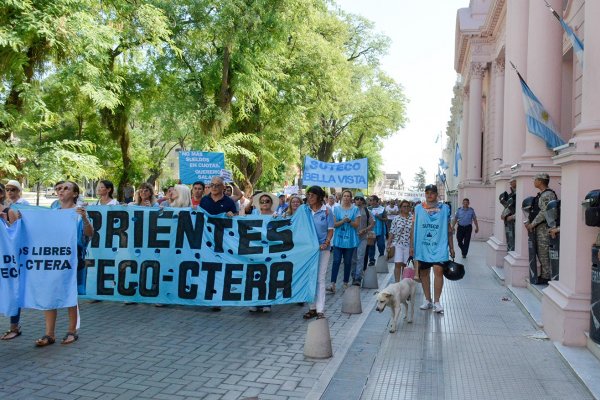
539 226
282 205
366 224
465 217
430 242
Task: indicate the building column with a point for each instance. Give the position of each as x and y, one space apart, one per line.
464 132
497 242
475 124
544 70
516 265
566 303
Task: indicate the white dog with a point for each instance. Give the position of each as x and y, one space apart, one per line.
394 296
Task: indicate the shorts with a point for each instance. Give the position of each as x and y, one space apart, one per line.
426 265
401 253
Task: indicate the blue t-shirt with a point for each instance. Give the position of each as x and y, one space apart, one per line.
379 228
431 233
345 236
323 220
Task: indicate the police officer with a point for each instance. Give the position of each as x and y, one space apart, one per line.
539 226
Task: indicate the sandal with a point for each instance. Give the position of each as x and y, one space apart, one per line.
69 334
310 314
320 315
11 334
45 340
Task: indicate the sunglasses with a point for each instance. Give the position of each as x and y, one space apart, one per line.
265 202
12 190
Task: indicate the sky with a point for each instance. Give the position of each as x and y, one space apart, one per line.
421 59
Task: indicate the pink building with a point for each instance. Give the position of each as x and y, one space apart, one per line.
488 123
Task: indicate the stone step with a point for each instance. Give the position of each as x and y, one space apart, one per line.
593 347
536 290
585 366
498 273
529 303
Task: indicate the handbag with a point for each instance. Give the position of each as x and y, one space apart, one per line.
371 238
391 251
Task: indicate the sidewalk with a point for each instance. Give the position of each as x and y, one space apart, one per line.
483 347
144 352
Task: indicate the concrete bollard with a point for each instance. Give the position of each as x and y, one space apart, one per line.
318 340
351 301
382 265
370 279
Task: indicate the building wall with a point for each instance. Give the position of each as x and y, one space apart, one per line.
524 31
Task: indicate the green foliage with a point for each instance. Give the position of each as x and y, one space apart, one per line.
116 86
420 180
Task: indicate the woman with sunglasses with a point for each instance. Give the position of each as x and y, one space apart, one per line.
68 197
400 238
12 195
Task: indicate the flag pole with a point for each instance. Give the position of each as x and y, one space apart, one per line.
552 10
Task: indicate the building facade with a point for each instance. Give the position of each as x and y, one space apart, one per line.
488 123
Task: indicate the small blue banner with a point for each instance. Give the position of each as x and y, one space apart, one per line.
9 269
47 245
349 174
200 166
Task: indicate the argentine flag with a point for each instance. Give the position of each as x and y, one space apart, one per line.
538 119
443 164
457 156
575 41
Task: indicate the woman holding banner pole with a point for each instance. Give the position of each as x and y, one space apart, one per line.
68 199
323 220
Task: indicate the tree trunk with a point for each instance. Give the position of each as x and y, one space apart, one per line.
116 122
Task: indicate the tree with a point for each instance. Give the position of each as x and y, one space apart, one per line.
420 180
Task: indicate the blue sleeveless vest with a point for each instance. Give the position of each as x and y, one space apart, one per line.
431 233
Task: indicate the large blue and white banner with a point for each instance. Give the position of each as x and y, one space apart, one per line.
47 246
349 174
185 256
9 269
200 166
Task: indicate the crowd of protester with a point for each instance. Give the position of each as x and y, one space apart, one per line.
350 226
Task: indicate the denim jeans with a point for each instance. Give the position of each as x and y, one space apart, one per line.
338 253
358 259
380 242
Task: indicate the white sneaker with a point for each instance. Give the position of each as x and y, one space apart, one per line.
253 309
266 309
426 305
437 307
